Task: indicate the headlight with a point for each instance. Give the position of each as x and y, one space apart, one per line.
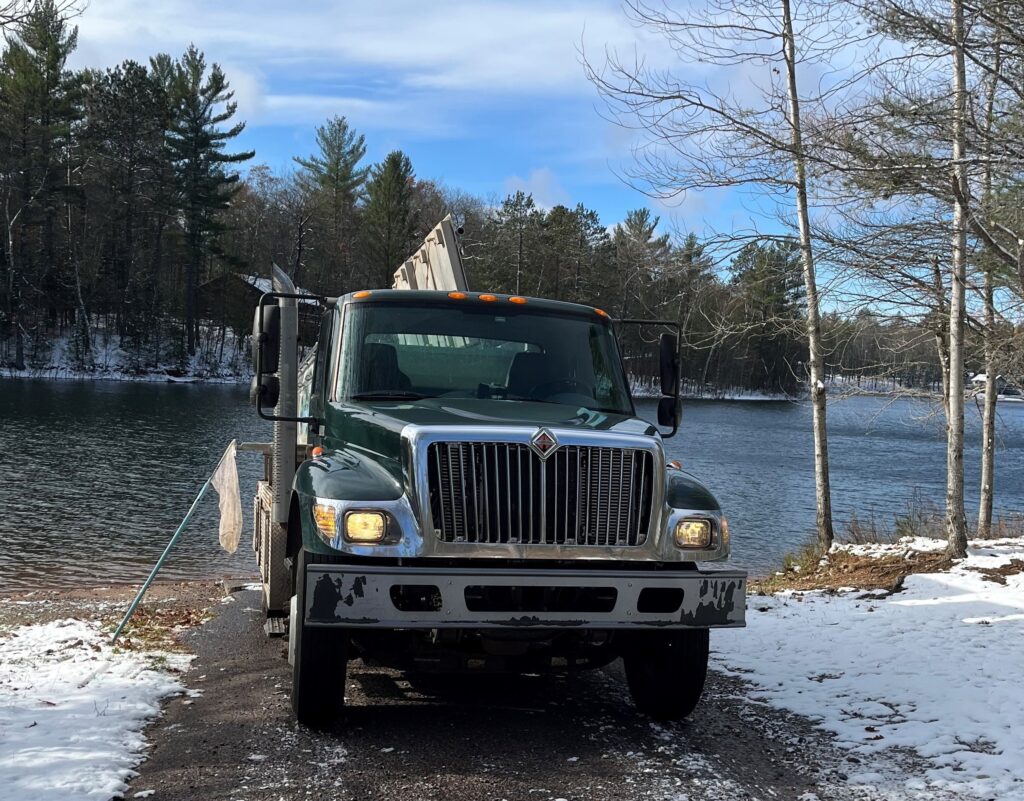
365 526
693 533
723 526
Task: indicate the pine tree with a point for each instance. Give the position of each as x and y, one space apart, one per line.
770 279
37 111
390 218
575 245
127 180
335 173
516 262
200 102
641 256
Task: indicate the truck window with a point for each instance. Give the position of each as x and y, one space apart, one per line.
477 351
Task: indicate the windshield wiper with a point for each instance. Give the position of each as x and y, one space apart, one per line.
388 394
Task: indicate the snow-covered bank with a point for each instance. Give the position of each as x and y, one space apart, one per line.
934 668
155 377
72 710
220 358
649 387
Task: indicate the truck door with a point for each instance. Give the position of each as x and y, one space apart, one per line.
320 383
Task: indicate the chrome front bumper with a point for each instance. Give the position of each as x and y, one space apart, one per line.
365 597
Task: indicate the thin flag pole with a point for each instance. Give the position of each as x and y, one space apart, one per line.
167 550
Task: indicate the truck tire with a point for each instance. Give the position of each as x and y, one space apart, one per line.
320 666
665 671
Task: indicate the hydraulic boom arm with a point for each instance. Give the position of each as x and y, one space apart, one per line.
436 265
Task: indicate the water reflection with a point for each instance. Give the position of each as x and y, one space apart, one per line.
759 460
98 474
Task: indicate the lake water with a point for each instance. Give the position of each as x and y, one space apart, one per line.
95 476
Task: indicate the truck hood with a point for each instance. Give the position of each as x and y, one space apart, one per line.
473 412
377 426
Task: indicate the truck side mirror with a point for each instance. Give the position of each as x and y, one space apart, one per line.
669 413
669 364
264 391
266 335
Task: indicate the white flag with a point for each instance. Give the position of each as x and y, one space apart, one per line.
225 481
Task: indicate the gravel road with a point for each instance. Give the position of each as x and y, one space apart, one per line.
455 738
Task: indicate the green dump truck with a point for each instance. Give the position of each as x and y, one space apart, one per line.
459 481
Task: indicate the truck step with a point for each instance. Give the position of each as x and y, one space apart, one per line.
276 627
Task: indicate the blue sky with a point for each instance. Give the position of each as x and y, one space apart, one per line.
485 96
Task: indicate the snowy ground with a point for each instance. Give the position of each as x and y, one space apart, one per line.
934 669
920 690
72 709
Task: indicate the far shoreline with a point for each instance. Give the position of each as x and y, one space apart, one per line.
639 391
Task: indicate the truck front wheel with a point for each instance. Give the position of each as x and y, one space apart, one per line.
320 662
665 671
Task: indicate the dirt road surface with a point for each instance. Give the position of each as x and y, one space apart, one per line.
464 739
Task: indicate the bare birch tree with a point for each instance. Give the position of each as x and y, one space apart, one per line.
956 519
712 136
945 132
988 419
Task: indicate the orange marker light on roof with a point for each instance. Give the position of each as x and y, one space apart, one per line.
457 295
602 312
516 299
488 298
360 295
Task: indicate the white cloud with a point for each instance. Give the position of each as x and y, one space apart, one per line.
493 47
543 184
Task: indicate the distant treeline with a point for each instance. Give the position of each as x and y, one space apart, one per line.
122 197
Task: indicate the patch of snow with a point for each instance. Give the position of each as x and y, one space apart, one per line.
934 668
72 710
903 547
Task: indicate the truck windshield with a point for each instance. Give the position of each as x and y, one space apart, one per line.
400 352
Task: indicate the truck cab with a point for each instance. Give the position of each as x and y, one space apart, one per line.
472 489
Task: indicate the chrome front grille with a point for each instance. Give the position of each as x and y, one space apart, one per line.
503 492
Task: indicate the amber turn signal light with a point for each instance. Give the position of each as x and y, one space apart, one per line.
325 517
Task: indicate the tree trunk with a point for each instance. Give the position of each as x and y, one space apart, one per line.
941 334
519 261
816 356
988 425
192 267
956 517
